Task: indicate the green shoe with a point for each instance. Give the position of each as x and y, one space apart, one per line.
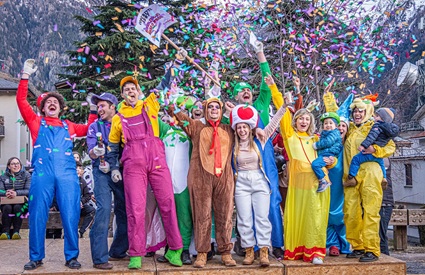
135 262
4 236
174 257
16 236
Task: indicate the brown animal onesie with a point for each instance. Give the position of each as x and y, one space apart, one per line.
206 185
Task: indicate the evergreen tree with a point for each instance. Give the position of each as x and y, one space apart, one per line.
113 48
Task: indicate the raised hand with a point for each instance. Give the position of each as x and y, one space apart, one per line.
269 80
29 67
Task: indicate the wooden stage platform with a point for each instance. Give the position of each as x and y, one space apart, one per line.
14 255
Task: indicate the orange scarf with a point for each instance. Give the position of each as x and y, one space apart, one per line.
216 149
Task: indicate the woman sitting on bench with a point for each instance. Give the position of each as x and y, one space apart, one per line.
15 182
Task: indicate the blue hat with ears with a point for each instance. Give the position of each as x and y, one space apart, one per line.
344 110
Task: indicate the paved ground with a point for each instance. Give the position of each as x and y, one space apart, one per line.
414 257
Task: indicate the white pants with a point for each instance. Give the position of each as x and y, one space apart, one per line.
252 196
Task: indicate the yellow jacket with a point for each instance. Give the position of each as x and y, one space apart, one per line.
151 106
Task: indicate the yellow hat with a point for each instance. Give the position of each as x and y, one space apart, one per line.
128 79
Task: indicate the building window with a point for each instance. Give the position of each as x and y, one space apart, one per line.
408 172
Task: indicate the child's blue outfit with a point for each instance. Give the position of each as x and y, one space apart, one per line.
329 144
380 134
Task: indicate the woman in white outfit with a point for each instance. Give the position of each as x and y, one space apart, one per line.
252 191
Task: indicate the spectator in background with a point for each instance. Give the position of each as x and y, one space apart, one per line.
386 210
15 182
88 173
87 211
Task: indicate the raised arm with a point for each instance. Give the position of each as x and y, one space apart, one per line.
27 112
263 100
188 124
274 123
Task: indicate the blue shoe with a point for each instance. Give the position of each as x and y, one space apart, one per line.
323 185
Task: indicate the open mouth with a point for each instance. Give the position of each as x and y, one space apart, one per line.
197 113
52 108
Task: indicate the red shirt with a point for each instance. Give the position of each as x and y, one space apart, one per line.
34 121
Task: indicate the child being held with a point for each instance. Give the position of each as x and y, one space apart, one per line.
329 145
381 133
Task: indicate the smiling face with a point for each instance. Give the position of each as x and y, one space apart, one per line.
329 124
244 96
243 131
343 128
14 166
214 111
51 107
302 123
105 110
358 116
197 111
130 93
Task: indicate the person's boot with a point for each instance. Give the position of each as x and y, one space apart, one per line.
162 258
174 257
249 256
201 260
211 253
135 262
186 257
278 253
264 257
228 260
238 248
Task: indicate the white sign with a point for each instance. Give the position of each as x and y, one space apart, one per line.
152 21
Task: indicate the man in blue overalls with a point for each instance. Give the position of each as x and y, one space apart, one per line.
54 170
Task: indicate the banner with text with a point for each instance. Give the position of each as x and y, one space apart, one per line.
152 21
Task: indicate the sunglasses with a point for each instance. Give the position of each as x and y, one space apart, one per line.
217 107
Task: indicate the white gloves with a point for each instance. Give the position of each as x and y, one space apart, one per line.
312 105
258 46
105 168
181 54
88 99
29 67
116 176
99 151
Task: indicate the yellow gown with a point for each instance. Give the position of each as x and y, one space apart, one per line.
306 211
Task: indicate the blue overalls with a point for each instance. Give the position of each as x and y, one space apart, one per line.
54 175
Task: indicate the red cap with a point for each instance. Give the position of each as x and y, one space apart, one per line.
40 98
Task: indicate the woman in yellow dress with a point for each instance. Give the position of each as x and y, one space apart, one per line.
306 211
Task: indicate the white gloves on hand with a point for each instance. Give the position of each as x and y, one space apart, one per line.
91 104
312 105
258 46
29 67
181 54
105 168
116 176
99 151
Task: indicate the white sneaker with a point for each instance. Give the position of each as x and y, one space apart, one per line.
317 260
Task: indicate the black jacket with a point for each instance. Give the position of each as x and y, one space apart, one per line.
19 182
380 134
85 191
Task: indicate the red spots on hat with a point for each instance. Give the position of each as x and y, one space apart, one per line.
245 113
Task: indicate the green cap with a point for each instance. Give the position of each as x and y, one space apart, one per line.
330 115
187 101
240 86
